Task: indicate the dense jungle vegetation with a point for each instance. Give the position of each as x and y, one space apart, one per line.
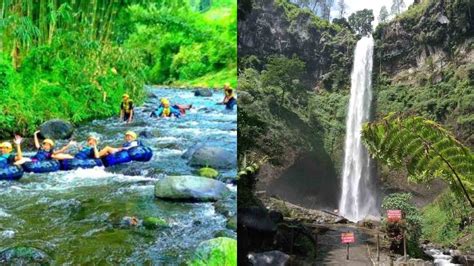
74 59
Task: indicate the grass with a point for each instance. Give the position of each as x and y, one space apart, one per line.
212 80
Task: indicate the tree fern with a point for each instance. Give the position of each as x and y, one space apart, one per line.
424 148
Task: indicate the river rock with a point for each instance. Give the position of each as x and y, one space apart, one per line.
256 218
190 188
232 223
203 93
217 251
56 129
154 223
227 206
274 257
215 157
130 221
23 256
208 172
147 134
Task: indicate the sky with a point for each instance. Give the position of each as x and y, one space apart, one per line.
375 5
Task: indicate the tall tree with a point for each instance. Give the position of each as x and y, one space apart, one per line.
341 8
383 14
397 6
361 21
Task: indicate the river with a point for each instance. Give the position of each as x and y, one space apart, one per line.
76 216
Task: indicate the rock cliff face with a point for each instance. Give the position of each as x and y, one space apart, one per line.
270 27
424 65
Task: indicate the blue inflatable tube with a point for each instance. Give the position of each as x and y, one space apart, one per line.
71 164
42 166
11 172
140 153
116 158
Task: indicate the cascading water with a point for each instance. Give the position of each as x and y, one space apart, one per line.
358 195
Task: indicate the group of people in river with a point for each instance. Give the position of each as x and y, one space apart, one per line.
166 109
45 150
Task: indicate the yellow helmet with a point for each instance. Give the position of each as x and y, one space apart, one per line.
7 145
132 134
125 96
165 101
94 138
227 85
49 141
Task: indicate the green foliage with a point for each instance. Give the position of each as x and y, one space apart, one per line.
361 21
221 251
182 45
411 219
424 148
447 219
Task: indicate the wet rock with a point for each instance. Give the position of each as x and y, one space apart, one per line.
226 206
57 129
217 251
23 256
223 233
256 218
274 257
276 216
203 93
191 150
341 220
190 188
232 223
208 172
147 134
130 221
154 223
369 221
215 157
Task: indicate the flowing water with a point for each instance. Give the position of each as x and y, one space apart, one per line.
358 197
75 217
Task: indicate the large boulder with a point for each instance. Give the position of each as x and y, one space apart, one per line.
23 256
220 251
56 129
203 92
190 188
215 157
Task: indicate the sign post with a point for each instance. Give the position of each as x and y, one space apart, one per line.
347 238
396 216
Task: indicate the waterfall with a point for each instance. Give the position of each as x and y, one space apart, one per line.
358 197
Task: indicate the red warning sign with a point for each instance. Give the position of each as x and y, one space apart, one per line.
347 238
394 215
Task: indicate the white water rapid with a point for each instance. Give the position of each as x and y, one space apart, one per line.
358 197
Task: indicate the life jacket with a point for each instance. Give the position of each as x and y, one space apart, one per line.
85 153
4 160
126 105
230 103
128 144
43 155
166 111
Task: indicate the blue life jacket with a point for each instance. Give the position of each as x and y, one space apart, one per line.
230 103
43 155
85 153
173 111
4 162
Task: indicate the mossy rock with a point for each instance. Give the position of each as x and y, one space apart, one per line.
221 251
232 223
208 172
223 233
154 223
22 255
